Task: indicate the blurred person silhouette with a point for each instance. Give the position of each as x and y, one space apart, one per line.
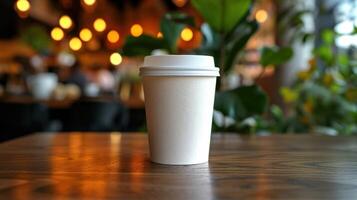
76 76
103 78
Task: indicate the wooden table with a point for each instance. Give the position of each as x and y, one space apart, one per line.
116 166
133 103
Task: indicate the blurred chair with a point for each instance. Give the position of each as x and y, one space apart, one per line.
17 119
96 115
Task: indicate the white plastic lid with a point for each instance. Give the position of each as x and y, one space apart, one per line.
179 65
184 61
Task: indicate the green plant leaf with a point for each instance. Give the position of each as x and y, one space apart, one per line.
238 44
222 15
275 55
180 18
306 37
142 45
325 52
343 64
328 36
171 26
289 95
242 102
36 37
210 43
211 39
343 59
277 113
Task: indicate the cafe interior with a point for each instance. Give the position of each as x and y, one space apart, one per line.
82 118
69 66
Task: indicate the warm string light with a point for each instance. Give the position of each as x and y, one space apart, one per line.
113 36
186 34
65 22
261 16
159 35
89 2
115 59
57 34
75 44
179 3
85 34
99 25
136 30
23 5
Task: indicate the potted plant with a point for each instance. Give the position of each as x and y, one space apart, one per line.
226 31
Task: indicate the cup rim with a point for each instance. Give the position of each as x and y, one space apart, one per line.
170 72
174 68
182 61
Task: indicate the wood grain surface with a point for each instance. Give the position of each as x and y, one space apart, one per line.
116 166
66 103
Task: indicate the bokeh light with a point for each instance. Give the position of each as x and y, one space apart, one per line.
75 44
65 22
179 3
23 5
261 16
345 27
89 2
115 58
85 34
113 36
99 25
186 34
159 35
57 34
136 30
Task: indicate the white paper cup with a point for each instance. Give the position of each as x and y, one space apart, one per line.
179 96
42 85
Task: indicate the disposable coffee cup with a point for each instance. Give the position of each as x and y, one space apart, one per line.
179 95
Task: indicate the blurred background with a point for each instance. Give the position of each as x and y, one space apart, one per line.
72 65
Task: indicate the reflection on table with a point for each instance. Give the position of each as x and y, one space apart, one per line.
84 165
